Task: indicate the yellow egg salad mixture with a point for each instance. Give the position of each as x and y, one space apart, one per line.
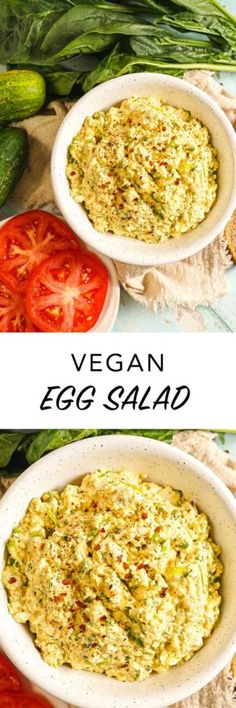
118 576
144 169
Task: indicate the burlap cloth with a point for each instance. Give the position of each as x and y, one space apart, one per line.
198 280
221 692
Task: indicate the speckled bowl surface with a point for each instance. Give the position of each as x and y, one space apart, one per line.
110 308
165 465
179 93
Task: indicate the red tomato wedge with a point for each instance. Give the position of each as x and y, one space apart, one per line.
23 700
13 314
9 678
67 292
28 239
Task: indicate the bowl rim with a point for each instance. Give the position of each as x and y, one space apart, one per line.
109 313
172 453
111 242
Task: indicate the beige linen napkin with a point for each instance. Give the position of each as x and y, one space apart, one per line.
198 280
34 188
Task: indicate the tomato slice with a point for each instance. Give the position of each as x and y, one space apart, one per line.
13 313
67 292
23 700
9 678
28 239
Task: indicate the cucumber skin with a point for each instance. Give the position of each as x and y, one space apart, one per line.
22 93
13 159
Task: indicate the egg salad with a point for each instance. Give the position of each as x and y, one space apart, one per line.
144 169
117 575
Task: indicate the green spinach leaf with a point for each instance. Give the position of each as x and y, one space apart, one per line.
61 83
118 63
212 26
206 7
8 444
85 17
48 440
180 53
23 25
107 34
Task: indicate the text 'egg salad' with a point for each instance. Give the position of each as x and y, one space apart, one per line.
144 169
118 576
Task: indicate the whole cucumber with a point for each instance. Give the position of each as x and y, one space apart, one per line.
22 93
13 159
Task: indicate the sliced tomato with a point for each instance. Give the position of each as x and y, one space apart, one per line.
9 678
28 239
23 700
13 313
67 292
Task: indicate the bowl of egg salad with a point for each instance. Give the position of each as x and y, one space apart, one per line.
118 571
144 169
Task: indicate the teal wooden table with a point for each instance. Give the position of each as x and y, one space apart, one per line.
229 444
220 317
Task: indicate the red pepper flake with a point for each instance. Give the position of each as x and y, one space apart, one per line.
165 164
128 576
110 174
97 547
82 627
177 181
144 515
158 528
94 504
141 565
163 592
121 206
67 581
151 162
103 530
72 173
164 128
58 598
103 618
81 604
12 580
119 558
94 645
126 565
85 617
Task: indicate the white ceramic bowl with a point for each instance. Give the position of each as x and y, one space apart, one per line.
180 94
110 308
163 464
